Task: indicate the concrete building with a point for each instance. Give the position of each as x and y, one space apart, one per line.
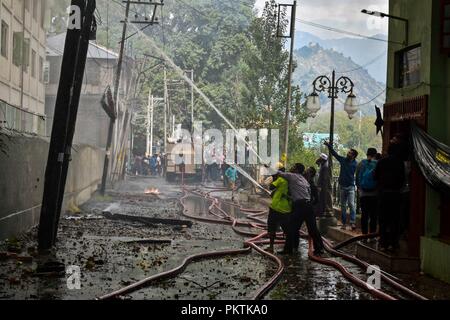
22 56
92 122
418 88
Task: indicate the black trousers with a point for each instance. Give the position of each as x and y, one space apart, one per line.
276 220
369 208
389 210
303 212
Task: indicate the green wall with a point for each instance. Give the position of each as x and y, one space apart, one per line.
424 29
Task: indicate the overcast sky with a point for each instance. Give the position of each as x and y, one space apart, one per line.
341 14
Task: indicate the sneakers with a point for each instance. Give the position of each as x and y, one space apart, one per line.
353 227
343 227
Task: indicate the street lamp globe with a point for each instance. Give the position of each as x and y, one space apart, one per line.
351 106
313 104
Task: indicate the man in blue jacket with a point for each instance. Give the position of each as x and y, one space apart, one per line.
347 184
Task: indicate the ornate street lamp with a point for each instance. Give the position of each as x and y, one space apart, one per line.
333 87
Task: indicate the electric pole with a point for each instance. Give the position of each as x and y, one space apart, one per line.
150 112
64 122
290 70
192 98
149 21
166 102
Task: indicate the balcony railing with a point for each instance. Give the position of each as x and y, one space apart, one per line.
16 119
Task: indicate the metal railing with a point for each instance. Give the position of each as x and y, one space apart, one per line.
14 118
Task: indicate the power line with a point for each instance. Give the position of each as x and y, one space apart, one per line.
365 65
370 101
320 26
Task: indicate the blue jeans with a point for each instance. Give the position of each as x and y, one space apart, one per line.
348 195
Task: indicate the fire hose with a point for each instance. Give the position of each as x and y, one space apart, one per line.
253 243
335 251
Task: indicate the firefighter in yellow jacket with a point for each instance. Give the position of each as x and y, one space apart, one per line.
280 208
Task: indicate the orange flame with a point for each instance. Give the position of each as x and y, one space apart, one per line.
152 191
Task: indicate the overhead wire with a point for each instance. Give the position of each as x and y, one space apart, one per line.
364 65
320 26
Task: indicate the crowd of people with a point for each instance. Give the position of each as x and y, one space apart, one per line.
381 183
148 165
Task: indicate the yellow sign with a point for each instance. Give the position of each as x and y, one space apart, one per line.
443 157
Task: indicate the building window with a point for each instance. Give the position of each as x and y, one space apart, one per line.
41 69
408 64
21 50
17 48
26 54
445 26
4 39
46 72
33 63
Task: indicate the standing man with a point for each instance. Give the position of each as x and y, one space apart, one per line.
232 175
300 193
280 208
367 191
325 206
347 184
390 177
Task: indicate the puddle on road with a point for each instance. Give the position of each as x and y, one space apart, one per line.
199 206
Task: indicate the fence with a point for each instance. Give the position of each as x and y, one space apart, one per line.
20 120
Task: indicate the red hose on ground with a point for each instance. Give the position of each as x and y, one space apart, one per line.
171 273
338 266
226 219
375 292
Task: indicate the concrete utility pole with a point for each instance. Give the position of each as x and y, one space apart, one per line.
113 124
291 65
192 98
166 102
64 122
150 123
148 21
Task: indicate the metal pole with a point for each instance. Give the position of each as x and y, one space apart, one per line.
148 122
291 63
192 99
152 112
116 98
165 110
66 109
173 125
333 97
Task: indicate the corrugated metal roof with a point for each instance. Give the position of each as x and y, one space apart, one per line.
55 47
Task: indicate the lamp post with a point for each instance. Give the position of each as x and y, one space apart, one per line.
333 87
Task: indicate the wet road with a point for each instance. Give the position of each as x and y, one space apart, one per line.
109 260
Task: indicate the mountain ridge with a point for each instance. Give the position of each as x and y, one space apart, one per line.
314 60
365 52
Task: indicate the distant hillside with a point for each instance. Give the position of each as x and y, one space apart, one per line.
369 53
314 61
